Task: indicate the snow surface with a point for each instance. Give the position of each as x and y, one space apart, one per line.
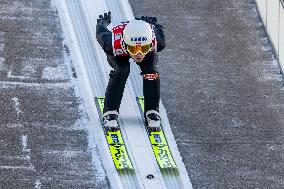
85 120
51 73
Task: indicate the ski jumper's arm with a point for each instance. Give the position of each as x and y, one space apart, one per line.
158 29
160 37
104 37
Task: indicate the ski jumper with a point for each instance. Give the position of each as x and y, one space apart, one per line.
118 59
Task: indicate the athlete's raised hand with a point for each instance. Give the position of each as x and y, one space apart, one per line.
106 17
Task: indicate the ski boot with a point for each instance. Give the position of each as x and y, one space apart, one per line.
110 120
153 120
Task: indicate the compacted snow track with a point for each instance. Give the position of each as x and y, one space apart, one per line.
78 20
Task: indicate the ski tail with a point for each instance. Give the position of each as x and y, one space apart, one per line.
115 142
158 142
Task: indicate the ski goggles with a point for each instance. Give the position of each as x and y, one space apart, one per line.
134 50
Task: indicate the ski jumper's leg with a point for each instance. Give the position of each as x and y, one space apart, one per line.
117 81
151 82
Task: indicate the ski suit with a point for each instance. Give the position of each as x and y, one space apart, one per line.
121 68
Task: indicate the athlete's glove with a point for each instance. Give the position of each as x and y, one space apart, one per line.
150 20
106 17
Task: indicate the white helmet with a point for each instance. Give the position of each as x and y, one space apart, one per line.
138 32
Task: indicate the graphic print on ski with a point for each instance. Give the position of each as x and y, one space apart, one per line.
159 143
115 141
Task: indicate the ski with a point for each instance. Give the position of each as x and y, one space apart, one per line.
158 142
115 142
